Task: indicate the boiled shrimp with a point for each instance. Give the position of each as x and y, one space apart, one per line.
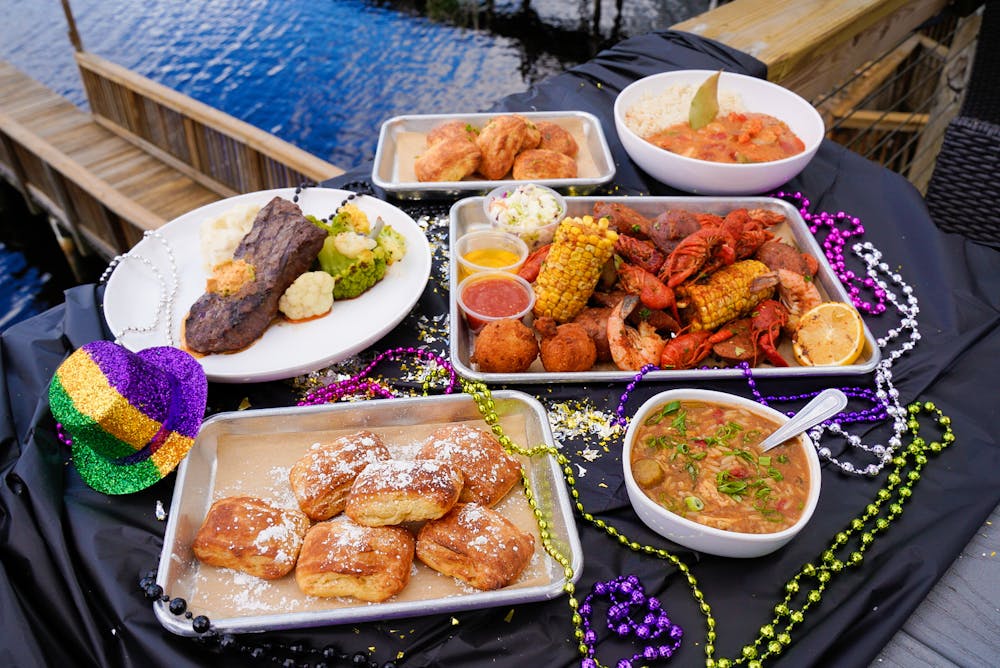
797 295
632 348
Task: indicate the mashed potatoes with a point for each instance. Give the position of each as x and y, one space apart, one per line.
221 235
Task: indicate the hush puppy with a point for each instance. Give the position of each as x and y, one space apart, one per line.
565 347
505 346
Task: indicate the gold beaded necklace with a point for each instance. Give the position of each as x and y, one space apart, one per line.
774 636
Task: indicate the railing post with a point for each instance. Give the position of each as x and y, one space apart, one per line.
74 36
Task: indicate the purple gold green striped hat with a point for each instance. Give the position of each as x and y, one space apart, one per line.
130 417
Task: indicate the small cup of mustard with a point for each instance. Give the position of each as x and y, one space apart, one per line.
488 250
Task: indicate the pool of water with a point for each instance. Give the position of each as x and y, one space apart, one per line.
325 74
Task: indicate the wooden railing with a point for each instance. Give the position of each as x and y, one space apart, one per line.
89 206
810 46
217 150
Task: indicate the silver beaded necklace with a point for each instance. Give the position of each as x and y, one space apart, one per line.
167 282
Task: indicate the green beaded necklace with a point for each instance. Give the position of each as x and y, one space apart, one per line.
803 591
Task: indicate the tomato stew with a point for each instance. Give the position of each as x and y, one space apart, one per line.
736 138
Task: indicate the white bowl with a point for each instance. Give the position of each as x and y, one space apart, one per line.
715 178
699 536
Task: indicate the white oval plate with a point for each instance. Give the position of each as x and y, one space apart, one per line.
133 296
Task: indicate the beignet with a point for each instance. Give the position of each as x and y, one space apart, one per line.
557 138
476 545
396 491
322 477
542 163
249 535
342 558
499 142
448 160
488 470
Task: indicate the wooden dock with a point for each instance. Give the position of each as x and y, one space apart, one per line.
143 155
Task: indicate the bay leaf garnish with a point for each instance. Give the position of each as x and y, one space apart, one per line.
705 103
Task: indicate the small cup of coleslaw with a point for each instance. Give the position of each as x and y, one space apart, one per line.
530 211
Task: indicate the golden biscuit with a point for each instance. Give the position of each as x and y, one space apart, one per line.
452 130
396 491
542 163
249 535
532 134
488 470
499 141
557 138
323 476
342 558
476 545
448 160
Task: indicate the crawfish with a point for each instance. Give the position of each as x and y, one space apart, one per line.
748 232
709 246
641 253
765 329
684 351
651 290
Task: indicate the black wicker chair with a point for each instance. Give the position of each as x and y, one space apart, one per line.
964 191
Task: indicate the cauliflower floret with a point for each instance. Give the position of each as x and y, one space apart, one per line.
353 244
221 235
352 218
310 295
393 243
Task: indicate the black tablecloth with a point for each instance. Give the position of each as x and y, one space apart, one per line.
72 557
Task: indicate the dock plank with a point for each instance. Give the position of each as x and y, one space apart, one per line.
125 168
958 624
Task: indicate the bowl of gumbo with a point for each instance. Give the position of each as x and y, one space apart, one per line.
695 473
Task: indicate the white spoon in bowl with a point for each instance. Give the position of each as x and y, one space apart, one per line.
828 402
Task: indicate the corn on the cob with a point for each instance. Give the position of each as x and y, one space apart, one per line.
728 293
573 266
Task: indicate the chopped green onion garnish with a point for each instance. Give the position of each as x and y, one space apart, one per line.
694 503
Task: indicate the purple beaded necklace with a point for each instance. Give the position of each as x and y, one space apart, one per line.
358 384
626 593
833 248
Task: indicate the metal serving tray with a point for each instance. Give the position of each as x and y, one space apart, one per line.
402 139
467 214
250 451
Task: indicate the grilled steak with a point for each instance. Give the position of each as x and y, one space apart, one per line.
281 245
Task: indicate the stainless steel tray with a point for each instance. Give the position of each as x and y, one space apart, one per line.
402 139
249 450
467 214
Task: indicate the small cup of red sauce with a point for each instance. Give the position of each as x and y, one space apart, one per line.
494 295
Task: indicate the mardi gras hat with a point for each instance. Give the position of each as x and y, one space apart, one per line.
130 417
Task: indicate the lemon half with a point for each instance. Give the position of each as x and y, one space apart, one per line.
831 334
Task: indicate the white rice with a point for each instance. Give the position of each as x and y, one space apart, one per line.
658 111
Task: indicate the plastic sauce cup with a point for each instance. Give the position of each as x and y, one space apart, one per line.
530 211
488 250
494 295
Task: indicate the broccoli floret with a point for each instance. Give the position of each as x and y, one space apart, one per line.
393 243
353 275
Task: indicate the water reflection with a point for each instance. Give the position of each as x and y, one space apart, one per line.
325 75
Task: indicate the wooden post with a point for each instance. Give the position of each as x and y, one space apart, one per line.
74 36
